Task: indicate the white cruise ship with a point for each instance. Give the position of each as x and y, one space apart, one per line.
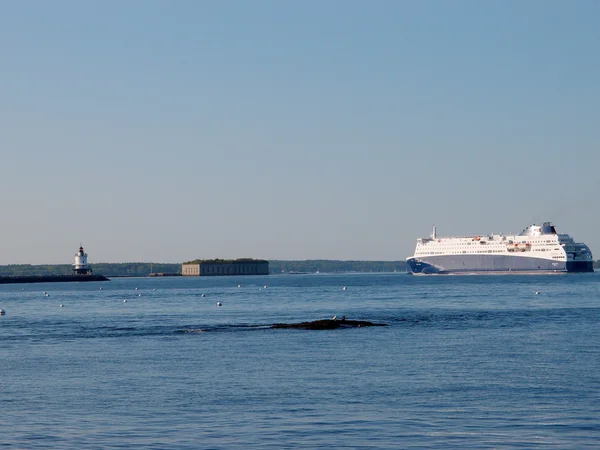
536 249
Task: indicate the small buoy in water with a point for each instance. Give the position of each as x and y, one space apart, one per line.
61 305
139 295
537 292
334 318
47 295
344 288
265 286
45 292
219 304
202 295
153 290
136 289
239 285
124 300
100 287
2 312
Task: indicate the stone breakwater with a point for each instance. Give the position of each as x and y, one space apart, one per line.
50 278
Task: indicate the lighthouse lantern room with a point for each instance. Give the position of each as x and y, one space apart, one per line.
81 266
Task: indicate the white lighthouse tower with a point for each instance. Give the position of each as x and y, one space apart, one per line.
81 266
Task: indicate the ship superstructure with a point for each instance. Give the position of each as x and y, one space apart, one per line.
538 248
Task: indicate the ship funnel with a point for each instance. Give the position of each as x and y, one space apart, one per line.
433 233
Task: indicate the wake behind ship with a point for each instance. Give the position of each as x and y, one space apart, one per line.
537 249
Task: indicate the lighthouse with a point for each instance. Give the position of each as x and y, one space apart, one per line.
81 266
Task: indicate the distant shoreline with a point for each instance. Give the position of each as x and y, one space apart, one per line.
142 269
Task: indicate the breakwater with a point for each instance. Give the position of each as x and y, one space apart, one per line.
50 278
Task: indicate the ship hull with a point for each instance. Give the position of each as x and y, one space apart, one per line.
580 266
445 264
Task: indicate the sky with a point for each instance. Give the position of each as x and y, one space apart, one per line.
164 131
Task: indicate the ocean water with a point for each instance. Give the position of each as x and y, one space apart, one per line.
465 362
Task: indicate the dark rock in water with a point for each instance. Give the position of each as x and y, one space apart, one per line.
329 324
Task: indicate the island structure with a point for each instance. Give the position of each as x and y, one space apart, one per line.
224 267
81 272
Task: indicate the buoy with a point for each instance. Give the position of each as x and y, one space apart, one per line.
344 288
47 295
265 286
45 292
219 304
124 300
61 305
136 289
537 292
153 290
239 285
2 312
139 295
202 295
334 318
100 287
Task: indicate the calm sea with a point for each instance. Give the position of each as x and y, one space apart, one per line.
465 362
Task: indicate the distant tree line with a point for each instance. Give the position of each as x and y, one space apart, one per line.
143 269
333 266
134 269
36 270
226 261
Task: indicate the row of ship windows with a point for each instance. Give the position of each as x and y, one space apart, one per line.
473 253
487 245
483 251
499 243
491 243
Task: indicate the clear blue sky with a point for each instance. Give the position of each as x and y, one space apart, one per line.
165 131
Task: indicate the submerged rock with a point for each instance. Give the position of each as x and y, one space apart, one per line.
328 324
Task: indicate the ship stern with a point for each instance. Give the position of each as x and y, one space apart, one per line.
580 266
579 258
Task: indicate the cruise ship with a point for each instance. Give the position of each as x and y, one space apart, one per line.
537 249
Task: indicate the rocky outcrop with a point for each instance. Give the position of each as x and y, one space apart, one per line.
329 324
